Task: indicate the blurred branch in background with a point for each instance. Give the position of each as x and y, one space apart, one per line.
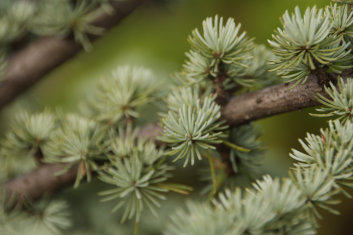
30 64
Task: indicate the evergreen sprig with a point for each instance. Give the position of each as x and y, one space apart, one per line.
15 18
331 151
29 134
339 102
306 44
45 218
257 71
64 17
6 219
180 96
248 159
196 68
138 172
220 42
120 95
244 162
317 188
197 219
128 142
272 207
194 128
219 51
40 218
78 141
342 20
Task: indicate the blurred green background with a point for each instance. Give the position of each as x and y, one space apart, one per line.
155 36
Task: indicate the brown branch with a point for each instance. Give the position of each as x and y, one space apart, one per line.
29 65
271 101
39 182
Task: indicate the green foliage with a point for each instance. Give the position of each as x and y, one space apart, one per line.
14 19
6 219
193 128
137 170
306 44
331 151
316 188
197 221
121 94
46 218
42 218
220 42
273 207
244 160
256 73
29 134
77 141
249 161
180 96
21 19
287 206
220 51
339 102
106 141
62 18
342 21
126 143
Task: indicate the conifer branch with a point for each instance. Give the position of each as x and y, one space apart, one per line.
43 180
270 101
239 110
29 65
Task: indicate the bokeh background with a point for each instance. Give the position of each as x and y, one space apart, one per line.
155 36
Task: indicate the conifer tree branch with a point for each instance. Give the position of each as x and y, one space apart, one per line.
29 65
240 110
43 179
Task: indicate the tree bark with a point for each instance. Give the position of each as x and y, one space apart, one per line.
270 101
40 181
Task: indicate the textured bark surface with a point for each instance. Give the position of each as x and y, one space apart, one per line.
40 181
29 65
271 101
